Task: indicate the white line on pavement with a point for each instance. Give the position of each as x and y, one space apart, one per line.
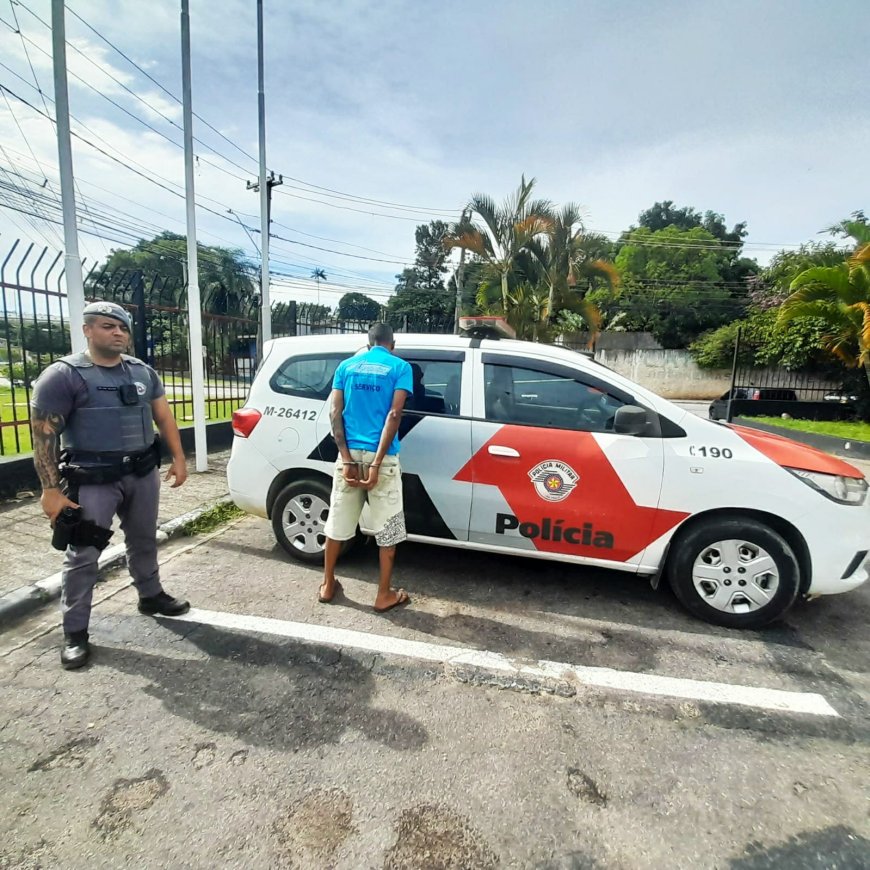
626 681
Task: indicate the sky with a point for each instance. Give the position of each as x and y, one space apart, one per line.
384 115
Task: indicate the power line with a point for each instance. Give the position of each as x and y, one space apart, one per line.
341 253
117 160
158 83
327 191
35 77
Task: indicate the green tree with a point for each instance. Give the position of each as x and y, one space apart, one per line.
571 263
839 296
226 278
665 214
671 285
506 233
318 275
764 340
421 297
357 306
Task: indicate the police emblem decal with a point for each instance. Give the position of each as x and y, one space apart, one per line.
553 480
140 387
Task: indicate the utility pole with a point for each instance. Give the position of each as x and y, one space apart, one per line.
264 185
75 291
194 306
460 277
264 328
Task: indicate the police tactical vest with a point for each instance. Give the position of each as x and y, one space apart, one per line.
104 424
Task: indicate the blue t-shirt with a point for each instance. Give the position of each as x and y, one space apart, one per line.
368 381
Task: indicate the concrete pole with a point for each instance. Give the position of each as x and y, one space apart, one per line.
75 291
265 302
194 306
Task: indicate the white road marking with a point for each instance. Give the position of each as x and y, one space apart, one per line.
625 681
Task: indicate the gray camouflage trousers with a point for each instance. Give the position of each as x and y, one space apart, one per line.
135 501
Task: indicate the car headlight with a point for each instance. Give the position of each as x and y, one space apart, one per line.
843 490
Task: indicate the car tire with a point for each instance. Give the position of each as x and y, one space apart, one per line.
302 507
737 572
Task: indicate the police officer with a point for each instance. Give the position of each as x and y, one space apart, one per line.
94 448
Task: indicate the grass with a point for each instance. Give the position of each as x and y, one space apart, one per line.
212 519
216 411
847 429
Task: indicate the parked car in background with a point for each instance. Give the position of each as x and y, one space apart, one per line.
719 407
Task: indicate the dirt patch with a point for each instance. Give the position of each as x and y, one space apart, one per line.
436 838
129 796
34 857
204 755
315 828
71 755
585 788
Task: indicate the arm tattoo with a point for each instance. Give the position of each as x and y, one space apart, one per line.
46 429
337 421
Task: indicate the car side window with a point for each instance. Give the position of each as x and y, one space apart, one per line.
515 394
437 386
309 377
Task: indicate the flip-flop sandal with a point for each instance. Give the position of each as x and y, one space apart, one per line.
337 589
402 598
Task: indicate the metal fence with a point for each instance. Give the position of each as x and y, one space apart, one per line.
34 331
823 392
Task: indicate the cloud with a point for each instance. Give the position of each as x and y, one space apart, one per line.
744 108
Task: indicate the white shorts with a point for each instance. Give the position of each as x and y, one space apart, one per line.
386 515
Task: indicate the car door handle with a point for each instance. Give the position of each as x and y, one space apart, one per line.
498 450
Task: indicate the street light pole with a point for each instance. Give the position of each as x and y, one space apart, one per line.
265 304
194 306
75 291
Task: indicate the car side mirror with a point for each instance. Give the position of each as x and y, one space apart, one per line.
631 420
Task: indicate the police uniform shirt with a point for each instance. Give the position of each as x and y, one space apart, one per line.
60 389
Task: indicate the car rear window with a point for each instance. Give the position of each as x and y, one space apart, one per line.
309 377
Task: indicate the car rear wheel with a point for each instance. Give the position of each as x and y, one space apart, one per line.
299 517
734 572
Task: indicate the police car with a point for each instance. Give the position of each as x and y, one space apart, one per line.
534 450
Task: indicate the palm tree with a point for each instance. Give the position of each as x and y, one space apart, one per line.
570 262
318 275
839 296
507 231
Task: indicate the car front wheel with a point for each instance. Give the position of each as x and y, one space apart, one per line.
299 517
734 572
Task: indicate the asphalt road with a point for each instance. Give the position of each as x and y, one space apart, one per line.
192 744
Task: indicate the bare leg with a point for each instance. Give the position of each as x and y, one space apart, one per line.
330 557
386 596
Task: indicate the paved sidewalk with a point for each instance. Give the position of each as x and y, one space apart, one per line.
26 553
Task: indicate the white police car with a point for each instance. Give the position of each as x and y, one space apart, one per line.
514 447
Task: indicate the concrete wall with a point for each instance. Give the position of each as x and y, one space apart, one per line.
670 373
675 375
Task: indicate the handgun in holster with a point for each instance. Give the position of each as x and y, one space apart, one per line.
72 529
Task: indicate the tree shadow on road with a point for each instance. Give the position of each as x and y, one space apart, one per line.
275 694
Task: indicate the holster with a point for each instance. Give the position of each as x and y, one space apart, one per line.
139 464
71 529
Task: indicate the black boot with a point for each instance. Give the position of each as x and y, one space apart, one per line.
163 604
76 650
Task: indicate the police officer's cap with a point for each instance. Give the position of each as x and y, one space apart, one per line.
110 309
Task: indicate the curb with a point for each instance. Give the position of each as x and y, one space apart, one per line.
26 599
